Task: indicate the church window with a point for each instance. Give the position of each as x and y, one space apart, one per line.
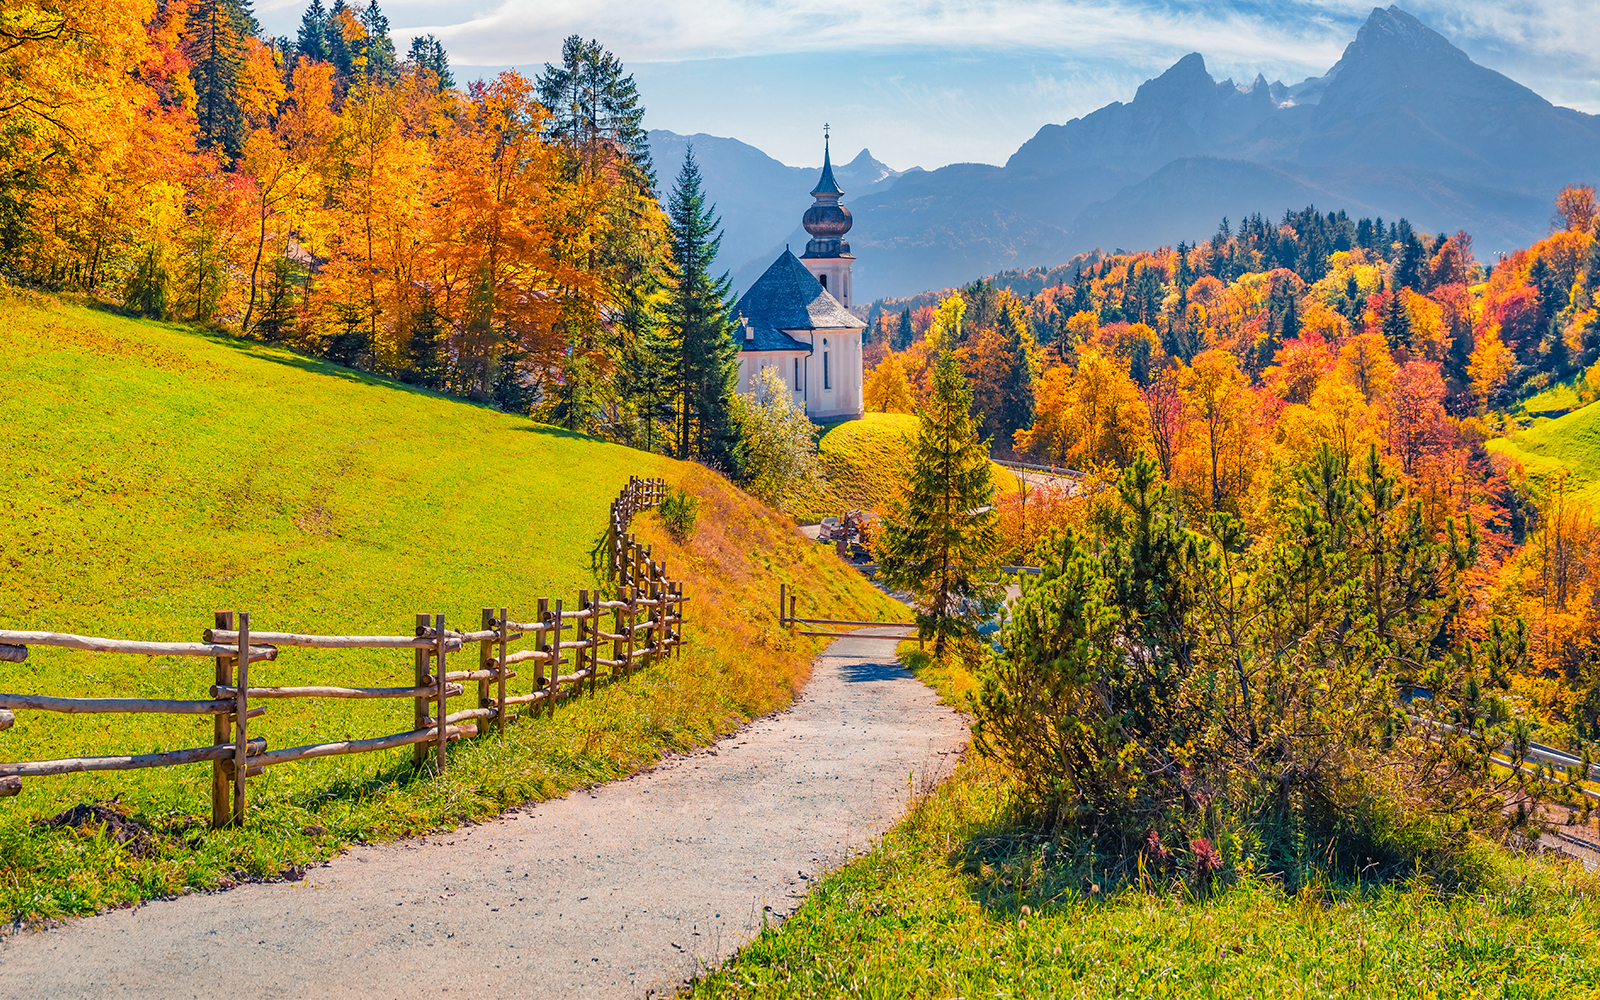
824 279
827 383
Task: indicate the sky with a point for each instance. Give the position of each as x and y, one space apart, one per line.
930 82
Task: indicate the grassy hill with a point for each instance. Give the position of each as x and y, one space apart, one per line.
865 462
156 473
1571 442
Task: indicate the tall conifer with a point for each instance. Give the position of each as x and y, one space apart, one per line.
939 541
700 317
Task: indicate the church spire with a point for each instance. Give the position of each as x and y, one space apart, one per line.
827 187
826 220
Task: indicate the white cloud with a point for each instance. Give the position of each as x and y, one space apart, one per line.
530 31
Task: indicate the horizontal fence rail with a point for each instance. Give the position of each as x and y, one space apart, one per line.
787 619
602 637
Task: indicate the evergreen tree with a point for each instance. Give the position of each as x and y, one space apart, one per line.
700 316
381 63
939 540
1016 389
277 310
428 53
427 348
312 42
340 52
215 33
1397 322
595 108
904 336
1291 320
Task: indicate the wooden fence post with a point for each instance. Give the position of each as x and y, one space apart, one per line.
241 723
485 655
555 658
594 643
541 642
439 671
677 606
630 594
221 725
616 644
783 615
419 713
500 702
581 636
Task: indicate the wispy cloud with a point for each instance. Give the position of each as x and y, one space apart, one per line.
521 31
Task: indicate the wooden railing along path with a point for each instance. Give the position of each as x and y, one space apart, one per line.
787 619
569 650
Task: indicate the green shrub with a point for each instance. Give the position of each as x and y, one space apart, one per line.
678 512
1196 697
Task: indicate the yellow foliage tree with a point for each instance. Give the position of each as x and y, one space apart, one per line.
887 389
1087 418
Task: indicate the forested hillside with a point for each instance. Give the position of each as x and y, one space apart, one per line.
1235 362
503 242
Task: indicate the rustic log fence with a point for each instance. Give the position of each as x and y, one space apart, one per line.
568 651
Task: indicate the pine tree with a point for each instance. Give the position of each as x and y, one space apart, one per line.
594 107
340 52
700 317
1397 322
381 62
904 336
215 34
939 540
312 42
426 347
428 53
1016 389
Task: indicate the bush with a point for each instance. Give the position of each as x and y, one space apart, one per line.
1162 685
678 512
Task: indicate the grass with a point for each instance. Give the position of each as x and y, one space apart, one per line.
865 463
963 900
1569 442
156 473
1561 397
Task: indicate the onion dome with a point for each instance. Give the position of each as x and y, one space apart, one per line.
826 220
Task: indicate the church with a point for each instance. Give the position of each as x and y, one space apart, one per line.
796 317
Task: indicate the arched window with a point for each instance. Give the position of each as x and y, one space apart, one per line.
824 279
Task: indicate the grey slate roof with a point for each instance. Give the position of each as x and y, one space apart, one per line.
789 297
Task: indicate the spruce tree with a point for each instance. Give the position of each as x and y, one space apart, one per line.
939 541
1397 322
1016 388
215 34
593 106
904 336
700 318
381 62
427 347
313 39
428 53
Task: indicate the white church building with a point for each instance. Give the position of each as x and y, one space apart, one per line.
796 317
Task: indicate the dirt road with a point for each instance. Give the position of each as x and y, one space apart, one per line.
622 891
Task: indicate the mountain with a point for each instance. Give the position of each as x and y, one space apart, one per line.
1404 125
759 199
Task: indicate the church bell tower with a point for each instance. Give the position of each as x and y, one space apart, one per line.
827 254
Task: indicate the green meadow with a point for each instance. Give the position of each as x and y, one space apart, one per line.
157 472
1570 442
965 899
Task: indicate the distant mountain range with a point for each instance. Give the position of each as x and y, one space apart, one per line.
1404 125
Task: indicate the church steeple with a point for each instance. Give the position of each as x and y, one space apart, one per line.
826 220
827 187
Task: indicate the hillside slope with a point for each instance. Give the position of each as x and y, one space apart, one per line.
1570 442
156 473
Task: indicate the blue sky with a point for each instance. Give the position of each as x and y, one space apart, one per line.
930 82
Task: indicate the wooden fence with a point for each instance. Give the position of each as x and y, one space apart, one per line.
564 650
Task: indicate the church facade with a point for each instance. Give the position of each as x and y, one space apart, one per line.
796 317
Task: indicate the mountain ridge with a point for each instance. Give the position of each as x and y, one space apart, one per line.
1404 124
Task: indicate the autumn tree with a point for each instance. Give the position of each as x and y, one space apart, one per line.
1215 393
887 389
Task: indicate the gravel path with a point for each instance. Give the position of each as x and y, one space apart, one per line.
621 891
